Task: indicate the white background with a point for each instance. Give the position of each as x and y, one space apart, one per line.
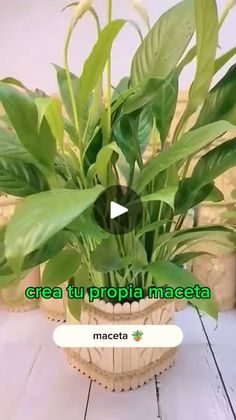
32 34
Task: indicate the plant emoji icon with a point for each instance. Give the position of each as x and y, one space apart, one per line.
137 335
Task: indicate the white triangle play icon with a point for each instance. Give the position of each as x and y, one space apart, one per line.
116 210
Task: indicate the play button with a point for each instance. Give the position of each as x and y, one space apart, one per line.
118 210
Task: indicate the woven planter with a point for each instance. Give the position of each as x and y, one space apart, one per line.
217 272
13 297
118 369
53 309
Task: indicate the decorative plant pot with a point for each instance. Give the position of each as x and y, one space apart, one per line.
120 369
53 309
217 272
13 297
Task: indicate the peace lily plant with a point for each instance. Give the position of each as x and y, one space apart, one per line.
58 155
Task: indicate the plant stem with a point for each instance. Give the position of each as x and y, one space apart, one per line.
68 76
72 96
227 9
108 79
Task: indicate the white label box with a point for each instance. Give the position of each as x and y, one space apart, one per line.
79 336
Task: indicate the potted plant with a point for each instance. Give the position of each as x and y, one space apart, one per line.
61 164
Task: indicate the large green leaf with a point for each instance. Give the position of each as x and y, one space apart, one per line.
158 55
11 147
20 178
164 105
49 250
87 226
215 163
41 216
168 274
188 144
206 44
190 194
34 259
106 256
132 133
220 103
95 64
23 115
82 277
61 268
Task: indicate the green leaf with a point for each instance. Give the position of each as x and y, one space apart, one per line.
107 155
34 221
167 273
50 108
82 277
191 54
13 81
152 227
49 250
190 194
64 90
185 257
23 115
34 259
11 147
87 226
158 55
95 64
220 103
188 144
223 59
206 43
164 105
137 256
20 178
167 195
75 306
184 236
61 268
106 257
92 150
215 195
132 133
215 163
146 95
123 86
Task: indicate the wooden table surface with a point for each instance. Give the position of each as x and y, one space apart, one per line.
37 384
